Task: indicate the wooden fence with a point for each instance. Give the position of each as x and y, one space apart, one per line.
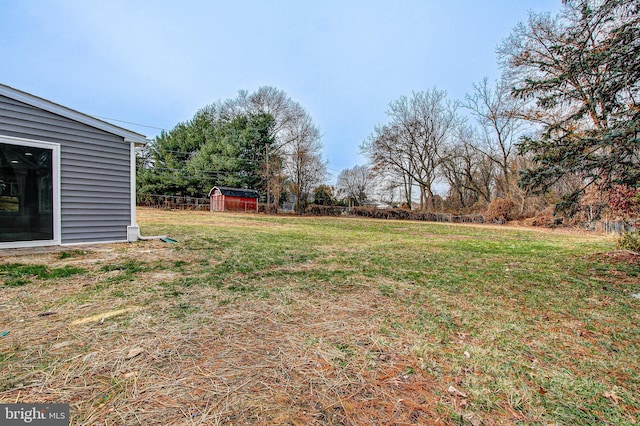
173 202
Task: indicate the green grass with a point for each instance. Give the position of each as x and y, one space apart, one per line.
16 274
534 327
72 254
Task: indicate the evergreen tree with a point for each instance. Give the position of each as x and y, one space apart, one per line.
234 154
212 149
581 70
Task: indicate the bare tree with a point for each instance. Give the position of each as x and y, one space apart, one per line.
498 114
304 166
412 142
388 161
275 102
469 173
296 140
354 184
387 189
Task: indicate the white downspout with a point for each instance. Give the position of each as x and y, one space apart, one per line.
133 231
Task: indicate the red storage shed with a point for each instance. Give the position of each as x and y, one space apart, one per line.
224 199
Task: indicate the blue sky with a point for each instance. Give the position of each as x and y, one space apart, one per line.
156 62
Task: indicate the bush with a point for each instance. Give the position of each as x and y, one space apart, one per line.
545 218
479 207
421 215
500 210
320 210
625 201
630 240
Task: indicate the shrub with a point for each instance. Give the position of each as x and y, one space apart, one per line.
479 207
624 200
544 218
630 240
422 215
320 210
500 210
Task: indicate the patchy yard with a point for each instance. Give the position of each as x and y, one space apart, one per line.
250 319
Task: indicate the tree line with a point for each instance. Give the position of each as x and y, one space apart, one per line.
262 140
558 128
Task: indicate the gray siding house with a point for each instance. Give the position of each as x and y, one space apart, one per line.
65 177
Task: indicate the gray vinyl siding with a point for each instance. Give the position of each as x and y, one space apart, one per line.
95 171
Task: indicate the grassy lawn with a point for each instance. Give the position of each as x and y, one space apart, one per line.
250 319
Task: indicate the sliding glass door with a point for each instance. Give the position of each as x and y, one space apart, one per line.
27 197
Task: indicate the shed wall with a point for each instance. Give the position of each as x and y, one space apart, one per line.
95 171
240 204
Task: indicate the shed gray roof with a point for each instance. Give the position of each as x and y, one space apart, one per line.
71 114
236 192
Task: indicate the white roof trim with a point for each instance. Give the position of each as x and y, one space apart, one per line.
71 114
